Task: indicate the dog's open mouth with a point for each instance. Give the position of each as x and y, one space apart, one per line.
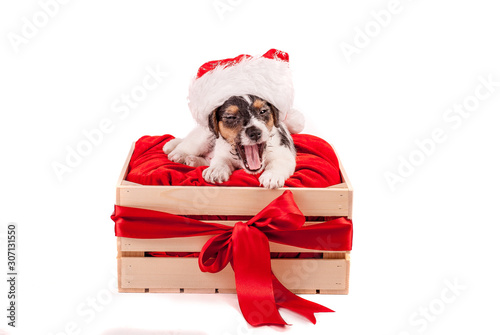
251 155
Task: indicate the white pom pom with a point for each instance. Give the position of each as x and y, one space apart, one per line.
294 121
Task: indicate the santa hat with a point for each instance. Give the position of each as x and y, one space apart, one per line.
268 77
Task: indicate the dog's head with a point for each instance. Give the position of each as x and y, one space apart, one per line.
246 123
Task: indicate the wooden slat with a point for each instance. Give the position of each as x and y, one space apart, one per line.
159 272
316 274
347 183
305 291
183 273
349 188
228 290
188 244
341 185
129 183
132 254
123 174
207 200
131 290
336 254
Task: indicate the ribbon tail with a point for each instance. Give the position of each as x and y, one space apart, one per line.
286 299
253 276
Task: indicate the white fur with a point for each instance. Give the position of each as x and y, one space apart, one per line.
222 164
279 161
196 145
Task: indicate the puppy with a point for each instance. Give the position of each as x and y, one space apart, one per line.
244 133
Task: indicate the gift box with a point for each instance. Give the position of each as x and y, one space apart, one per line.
178 238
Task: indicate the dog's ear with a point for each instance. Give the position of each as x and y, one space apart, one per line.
276 115
213 123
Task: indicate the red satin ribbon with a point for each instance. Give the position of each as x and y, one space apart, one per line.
246 247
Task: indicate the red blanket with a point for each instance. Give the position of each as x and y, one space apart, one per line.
317 166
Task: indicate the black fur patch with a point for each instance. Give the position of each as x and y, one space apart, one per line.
286 140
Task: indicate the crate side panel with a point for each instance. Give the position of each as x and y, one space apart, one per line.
173 273
187 200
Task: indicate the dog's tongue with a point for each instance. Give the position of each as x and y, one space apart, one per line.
252 154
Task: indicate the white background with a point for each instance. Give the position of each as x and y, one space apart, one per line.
438 227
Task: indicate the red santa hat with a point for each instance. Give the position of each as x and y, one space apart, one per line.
268 77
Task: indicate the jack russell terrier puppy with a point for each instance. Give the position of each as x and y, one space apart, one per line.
244 133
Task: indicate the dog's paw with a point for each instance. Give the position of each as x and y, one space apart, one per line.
217 173
268 179
177 156
171 145
195 161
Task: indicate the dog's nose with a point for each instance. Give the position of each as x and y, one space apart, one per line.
254 133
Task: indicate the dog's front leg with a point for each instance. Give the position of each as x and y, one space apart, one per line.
280 166
192 149
221 166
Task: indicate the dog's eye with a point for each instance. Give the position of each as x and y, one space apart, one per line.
229 117
264 111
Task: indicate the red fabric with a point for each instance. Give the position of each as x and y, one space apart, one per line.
209 66
246 247
317 166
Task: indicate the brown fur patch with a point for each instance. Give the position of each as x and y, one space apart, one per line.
214 124
229 134
276 114
270 122
232 109
258 104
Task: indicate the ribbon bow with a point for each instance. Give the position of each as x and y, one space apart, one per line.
246 247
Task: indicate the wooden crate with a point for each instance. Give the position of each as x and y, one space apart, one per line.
137 273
